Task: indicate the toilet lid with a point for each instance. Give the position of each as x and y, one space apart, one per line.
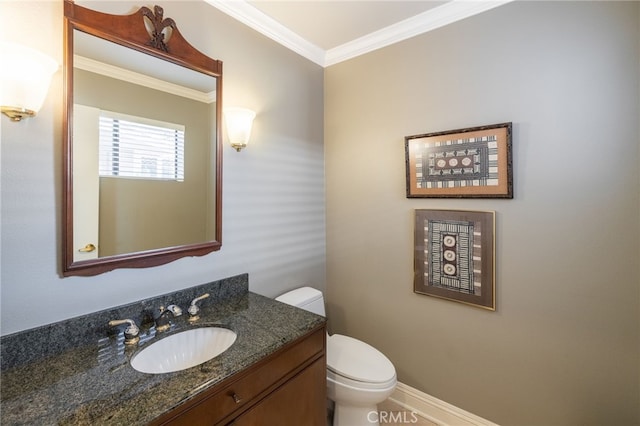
357 360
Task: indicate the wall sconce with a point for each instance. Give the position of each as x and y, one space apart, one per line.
25 76
239 122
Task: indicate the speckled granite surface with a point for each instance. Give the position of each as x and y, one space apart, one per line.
77 372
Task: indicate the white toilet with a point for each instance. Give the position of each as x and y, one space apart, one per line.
358 375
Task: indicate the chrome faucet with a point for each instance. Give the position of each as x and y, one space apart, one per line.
194 309
161 316
131 333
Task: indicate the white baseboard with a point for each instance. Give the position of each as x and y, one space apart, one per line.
435 410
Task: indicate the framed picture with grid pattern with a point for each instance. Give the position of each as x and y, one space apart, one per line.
466 163
454 256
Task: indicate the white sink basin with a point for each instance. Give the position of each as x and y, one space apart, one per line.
183 350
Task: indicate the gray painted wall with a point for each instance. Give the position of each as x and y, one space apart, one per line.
273 195
564 344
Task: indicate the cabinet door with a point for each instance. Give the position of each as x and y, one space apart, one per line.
300 401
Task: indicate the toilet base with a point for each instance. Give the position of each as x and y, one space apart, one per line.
345 415
356 403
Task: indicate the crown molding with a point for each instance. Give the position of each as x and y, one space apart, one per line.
432 19
112 71
254 18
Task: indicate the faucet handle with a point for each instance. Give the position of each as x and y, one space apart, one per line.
194 309
175 310
131 333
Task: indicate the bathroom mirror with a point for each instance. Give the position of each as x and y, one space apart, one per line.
142 143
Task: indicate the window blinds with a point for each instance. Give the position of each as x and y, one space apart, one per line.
136 147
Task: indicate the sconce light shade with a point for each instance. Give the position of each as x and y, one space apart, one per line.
25 76
239 122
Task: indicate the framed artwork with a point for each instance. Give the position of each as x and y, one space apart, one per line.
454 256
465 163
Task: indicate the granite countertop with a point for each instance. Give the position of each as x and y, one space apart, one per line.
91 381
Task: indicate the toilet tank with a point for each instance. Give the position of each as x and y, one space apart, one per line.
306 298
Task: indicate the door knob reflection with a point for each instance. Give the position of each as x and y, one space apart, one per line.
88 248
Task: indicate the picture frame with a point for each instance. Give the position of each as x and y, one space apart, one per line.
454 256
475 162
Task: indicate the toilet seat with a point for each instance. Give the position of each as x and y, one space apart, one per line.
359 362
358 385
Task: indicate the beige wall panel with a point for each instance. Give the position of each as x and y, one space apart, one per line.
564 344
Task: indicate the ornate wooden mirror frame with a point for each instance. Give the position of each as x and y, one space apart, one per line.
130 32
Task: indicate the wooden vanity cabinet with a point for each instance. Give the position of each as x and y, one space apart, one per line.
297 403
287 387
